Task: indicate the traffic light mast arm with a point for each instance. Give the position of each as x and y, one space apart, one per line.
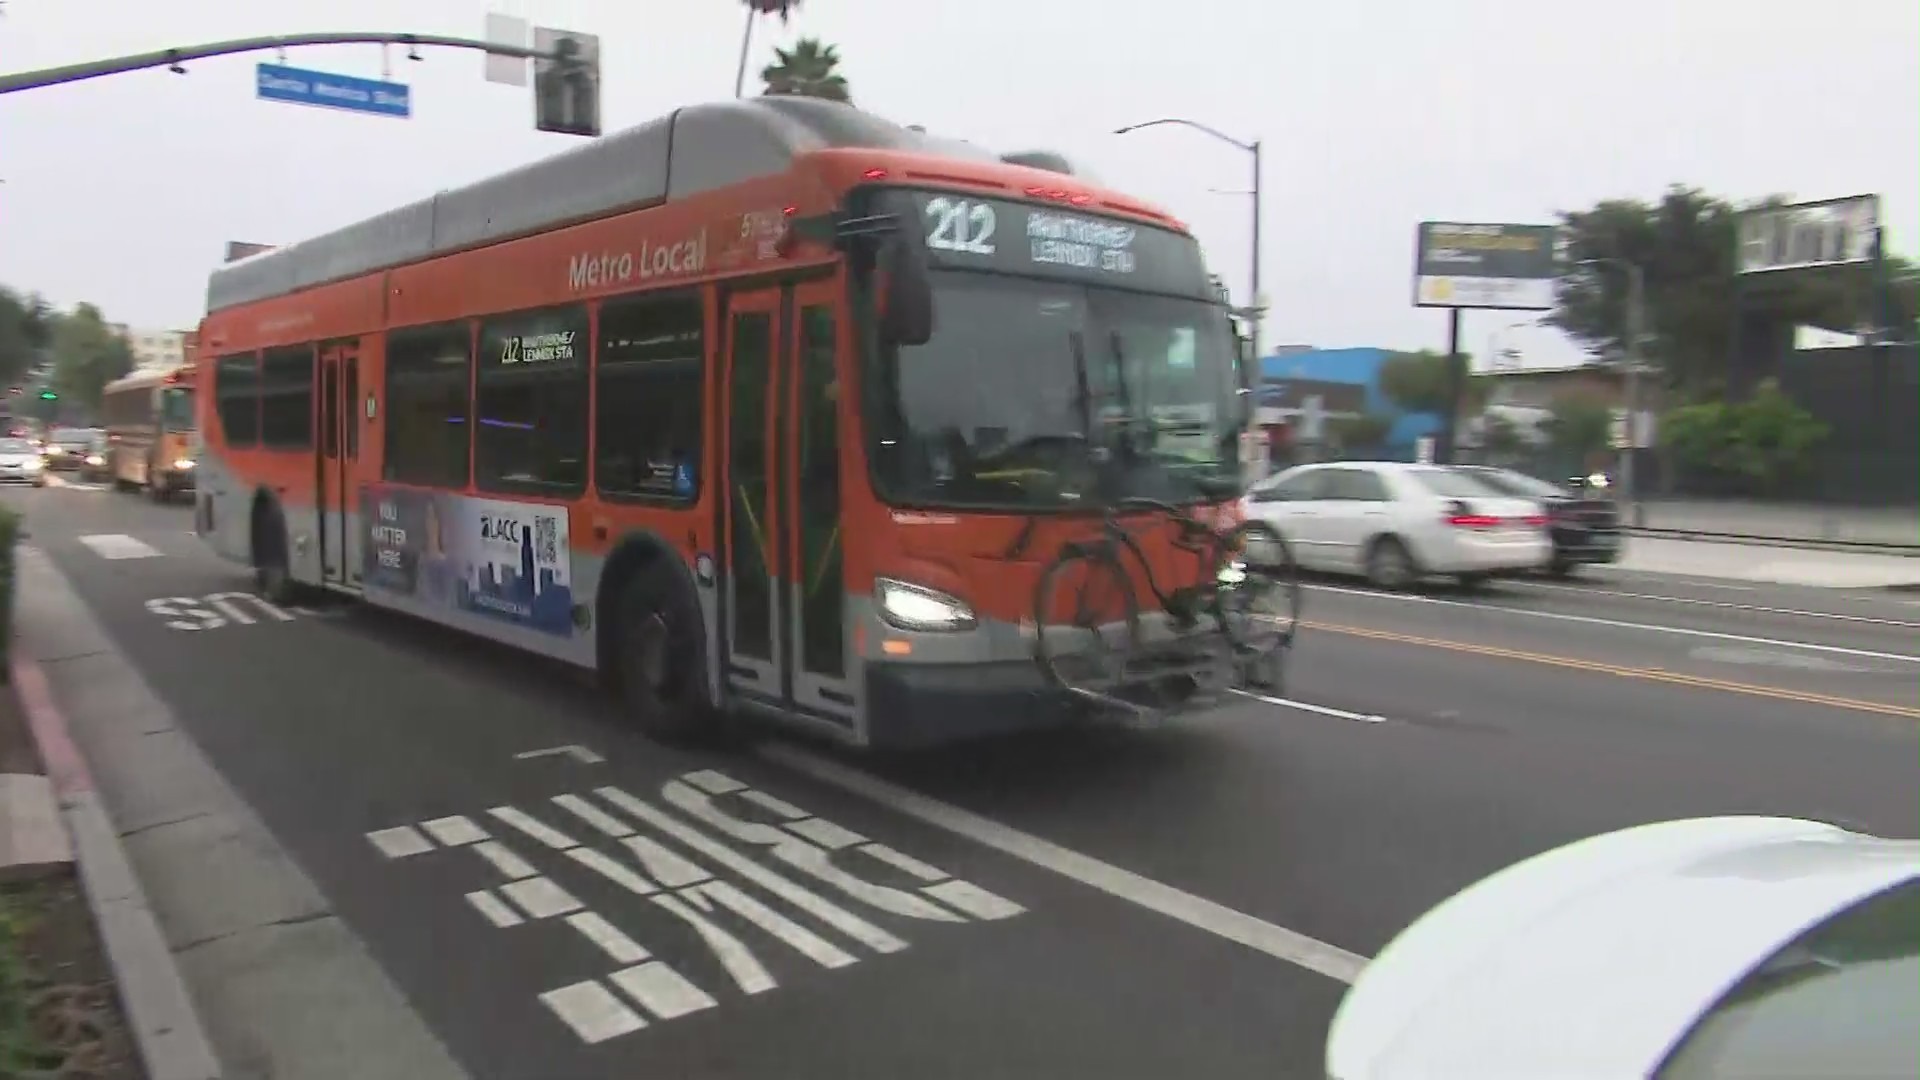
94 69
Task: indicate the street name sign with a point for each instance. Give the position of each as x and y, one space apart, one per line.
299 86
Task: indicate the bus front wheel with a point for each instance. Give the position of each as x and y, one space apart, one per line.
659 668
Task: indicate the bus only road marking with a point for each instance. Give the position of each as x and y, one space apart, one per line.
685 870
215 610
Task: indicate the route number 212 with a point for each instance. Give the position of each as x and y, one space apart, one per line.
960 225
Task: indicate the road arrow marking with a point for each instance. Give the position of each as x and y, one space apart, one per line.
579 753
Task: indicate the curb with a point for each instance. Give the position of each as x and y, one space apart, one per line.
166 1028
1841 547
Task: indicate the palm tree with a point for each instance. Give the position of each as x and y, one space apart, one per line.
807 70
755 9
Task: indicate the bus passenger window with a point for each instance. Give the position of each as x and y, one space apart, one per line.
652 368
286 398
236 383
530 407
426 405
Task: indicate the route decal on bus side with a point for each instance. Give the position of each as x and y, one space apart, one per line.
505 560
686 868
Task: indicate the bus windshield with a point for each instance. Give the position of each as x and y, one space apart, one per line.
176 408
995 409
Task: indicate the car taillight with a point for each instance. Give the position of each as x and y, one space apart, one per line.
1473 521
1537 521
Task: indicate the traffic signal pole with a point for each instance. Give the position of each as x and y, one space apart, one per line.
173 58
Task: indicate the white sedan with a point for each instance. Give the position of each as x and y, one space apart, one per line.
1702 949
1394 522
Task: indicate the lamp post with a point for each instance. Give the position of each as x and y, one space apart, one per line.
1636 322
1255 307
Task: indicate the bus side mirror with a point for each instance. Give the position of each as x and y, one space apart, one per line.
906 291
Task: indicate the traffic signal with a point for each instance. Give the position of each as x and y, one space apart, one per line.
48 395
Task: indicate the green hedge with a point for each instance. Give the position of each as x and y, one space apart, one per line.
9 533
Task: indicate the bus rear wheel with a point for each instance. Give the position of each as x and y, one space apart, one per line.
658 659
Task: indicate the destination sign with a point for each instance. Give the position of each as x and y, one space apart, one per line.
964 231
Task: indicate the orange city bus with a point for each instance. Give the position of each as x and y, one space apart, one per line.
768 406
149 417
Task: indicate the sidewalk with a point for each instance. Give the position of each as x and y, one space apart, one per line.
1771 565
1885 525
235 966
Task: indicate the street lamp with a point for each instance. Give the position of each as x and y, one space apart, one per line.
1495 358
1636 322
1255 306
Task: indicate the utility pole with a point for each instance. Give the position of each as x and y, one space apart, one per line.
1630 349
1256 306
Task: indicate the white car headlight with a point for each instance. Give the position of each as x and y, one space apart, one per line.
32 464
916 607
96 459
183 463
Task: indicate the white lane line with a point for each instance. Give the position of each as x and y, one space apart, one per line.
1201 914
534 827
612 940
119 546
1727 605
825 833
713 783
540 898
494 909
900 860
592 1011
455 831
1307 706
662 991
504 860
400 841
1620 624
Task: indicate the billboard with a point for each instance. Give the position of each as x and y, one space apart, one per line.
1503 267
1831 232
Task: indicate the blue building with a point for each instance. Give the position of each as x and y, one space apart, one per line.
1359 367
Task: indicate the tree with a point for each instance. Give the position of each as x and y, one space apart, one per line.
1756 446
1500 438
809 69
1579 426
1362 431
1417 382
87 355
25 329
1684 245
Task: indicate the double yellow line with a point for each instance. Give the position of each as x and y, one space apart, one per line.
1806 697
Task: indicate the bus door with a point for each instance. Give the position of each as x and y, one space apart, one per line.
336 458
783 589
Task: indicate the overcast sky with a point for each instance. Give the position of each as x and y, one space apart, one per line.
1375 114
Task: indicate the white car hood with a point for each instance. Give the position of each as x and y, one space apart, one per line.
14 461
1595 958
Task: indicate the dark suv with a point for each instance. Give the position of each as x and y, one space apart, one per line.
1585 529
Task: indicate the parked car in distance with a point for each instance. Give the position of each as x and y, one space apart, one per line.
20 463
1395 522
67 448
95 468
1585 528
1683 950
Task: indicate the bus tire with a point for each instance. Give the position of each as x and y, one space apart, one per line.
272 574
657 658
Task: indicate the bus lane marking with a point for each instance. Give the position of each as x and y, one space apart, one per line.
215 610
695 859
119 546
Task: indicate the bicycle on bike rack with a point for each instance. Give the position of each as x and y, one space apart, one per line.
1234 624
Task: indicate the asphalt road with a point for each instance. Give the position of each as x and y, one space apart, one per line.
1422 742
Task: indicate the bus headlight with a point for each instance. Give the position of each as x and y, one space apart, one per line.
183 464
916 607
